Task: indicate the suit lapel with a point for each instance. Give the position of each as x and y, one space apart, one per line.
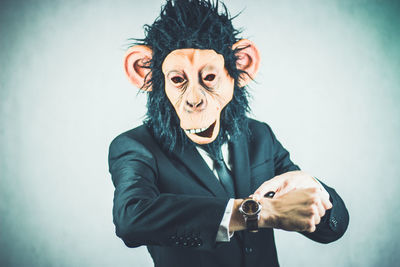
241 167
191 158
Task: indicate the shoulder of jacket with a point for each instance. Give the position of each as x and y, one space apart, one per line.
258 128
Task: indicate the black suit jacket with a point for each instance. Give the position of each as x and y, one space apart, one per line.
173 203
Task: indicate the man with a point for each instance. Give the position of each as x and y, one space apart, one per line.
199 183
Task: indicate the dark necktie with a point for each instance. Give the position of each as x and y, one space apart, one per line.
224 175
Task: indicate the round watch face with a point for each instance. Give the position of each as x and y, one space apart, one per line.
250 207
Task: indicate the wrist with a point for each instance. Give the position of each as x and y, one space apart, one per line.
268 216
250 210
237 222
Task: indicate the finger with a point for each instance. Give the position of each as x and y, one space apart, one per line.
317 219
314 214
312 229
325 200
310 226
324 192
320 208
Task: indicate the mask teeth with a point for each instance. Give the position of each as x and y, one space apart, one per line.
192 131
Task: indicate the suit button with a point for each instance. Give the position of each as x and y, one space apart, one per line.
248 250
333 223
177 243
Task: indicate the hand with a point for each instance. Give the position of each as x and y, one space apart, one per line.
287 182
297 210
293 208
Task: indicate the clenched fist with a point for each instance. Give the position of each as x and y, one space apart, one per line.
298 210
298 204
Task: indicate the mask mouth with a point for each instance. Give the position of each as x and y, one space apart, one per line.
203 132
208 132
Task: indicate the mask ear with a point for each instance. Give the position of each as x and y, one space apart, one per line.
248 60
136 66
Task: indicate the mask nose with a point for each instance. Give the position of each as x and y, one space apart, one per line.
195 101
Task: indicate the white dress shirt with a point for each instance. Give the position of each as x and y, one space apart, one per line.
223 234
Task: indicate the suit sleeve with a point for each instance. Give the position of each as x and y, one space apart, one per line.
144 216
280 155
335 221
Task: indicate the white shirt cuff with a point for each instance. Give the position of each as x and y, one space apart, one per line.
223 234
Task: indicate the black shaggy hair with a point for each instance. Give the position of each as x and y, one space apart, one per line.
195 24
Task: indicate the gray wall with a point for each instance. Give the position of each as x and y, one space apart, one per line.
328 86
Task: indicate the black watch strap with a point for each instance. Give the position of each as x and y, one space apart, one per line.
252 224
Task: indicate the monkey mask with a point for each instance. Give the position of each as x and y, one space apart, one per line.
196 79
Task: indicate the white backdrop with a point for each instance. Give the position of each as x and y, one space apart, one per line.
329 86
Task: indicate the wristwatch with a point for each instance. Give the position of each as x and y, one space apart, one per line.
250 209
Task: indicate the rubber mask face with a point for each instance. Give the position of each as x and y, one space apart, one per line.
199 87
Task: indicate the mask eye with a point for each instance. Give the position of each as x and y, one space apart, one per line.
177 79
209 77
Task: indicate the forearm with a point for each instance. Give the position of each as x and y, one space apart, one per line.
237 222
168 220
